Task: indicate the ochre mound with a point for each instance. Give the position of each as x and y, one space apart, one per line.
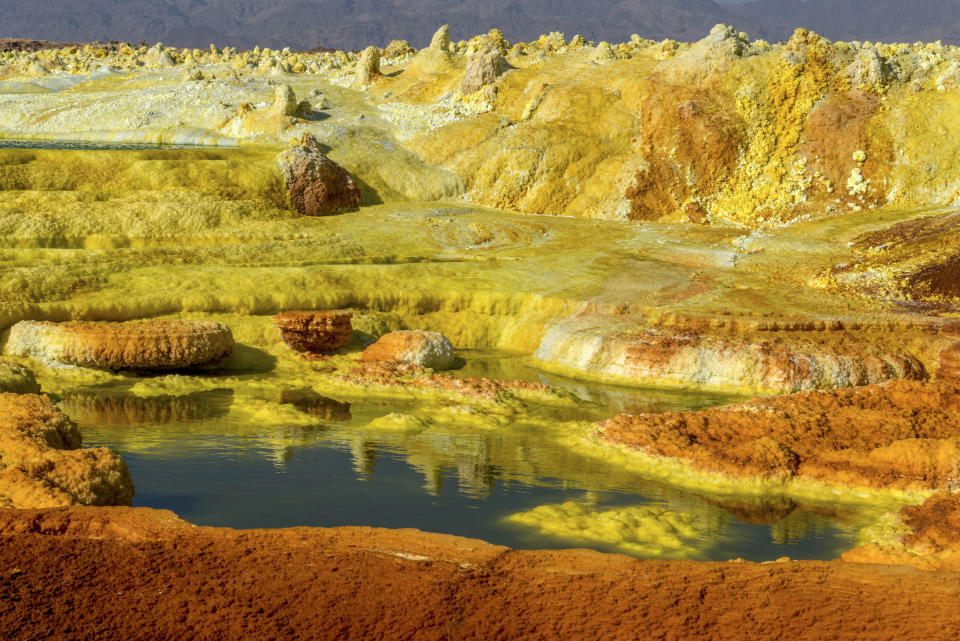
322 331
933 542
42 465
145 574
152 344
903 435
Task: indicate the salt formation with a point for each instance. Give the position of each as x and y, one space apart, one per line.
154 344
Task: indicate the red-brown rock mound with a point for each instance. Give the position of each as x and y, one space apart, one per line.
42 465
900 434
317 185
314 332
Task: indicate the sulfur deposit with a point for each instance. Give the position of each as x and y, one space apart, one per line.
42 465
426 349
306 331
158 344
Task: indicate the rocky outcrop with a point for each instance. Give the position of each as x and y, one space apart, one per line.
154 344
418 347
17 379
157 56
314 332
42 465
898 435
317 185
483 68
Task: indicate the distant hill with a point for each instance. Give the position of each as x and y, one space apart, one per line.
353 24
874 20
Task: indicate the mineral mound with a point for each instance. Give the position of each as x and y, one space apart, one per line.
426 349
767 360
152 344
315 332
898 435
42 465
317 185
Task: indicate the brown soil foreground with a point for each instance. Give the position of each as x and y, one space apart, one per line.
122 573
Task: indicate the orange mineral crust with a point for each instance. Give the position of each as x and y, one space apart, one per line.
897 435
121 573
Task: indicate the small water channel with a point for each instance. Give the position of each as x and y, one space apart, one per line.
190 454
17 143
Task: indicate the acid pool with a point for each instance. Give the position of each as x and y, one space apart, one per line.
186 454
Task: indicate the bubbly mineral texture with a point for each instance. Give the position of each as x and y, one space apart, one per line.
163 344
42 465
17 379
317 185
426 349
317 332
896 435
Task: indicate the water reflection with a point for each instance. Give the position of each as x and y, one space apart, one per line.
120 408
308 401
